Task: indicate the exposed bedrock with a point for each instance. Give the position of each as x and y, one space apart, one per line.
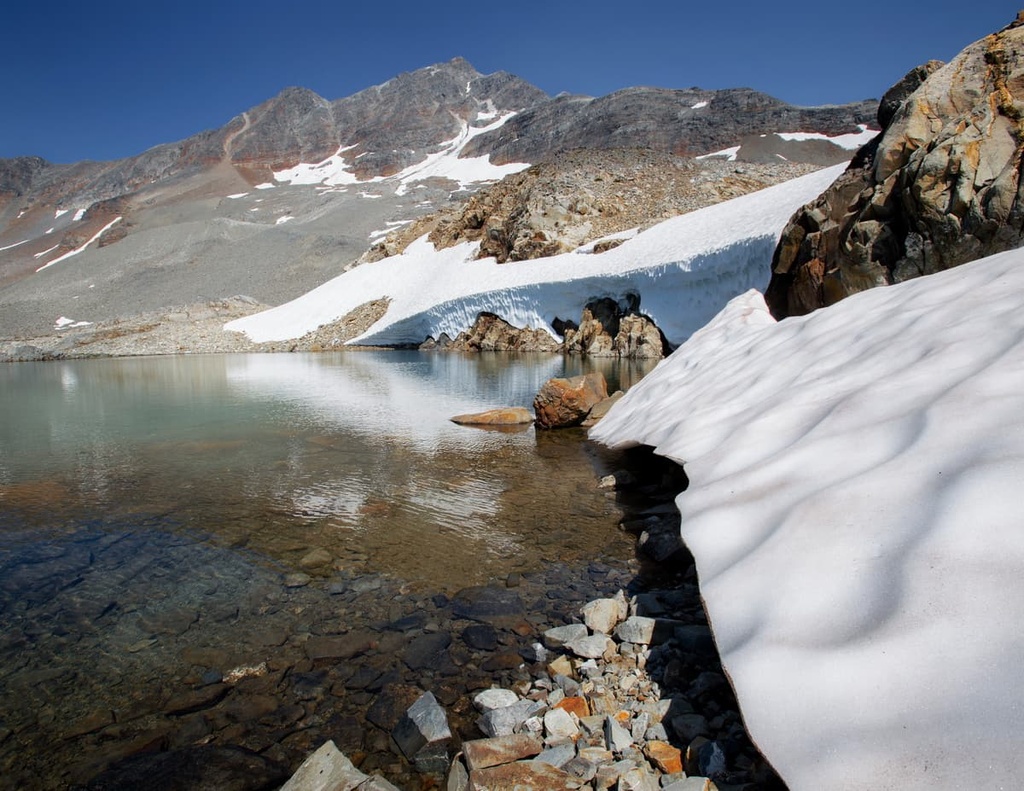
607 328
939 188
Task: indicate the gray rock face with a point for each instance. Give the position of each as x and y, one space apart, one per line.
663 119
490 333
393 125
940 188
616 329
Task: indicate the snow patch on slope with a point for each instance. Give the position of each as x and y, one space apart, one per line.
78 250
854 511
685 269
729 154
850 142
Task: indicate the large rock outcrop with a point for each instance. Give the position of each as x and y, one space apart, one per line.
583 196
939 188
491 333
610 329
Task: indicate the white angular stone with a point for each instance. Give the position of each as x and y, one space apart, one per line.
637 779
623 604
592 647
559 726
636 629
325 770
508 719
560 635
491 699
458 777
601 615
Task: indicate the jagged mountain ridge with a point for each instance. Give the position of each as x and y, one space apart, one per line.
392 125
687 122
387 124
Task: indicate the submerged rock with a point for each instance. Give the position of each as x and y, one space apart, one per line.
206 768
504 416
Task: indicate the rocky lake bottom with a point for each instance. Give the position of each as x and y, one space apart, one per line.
154 622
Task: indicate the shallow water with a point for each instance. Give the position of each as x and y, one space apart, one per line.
154 512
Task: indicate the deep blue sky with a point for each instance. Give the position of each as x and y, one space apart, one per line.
107 79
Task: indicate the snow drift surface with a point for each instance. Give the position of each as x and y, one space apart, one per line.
854 509
684 269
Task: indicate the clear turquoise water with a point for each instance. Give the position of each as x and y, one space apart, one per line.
351 452
152 508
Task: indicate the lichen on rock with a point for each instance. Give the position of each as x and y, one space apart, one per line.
939 188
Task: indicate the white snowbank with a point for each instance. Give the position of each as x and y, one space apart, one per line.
283 219
78 250
60 212
854 509
850 141
16 244
78 215
685 269
46 252
699 105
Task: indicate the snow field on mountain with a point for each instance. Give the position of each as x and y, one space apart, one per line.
684 269
854 510
445 163
850 142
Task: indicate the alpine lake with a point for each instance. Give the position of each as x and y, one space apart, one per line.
177 532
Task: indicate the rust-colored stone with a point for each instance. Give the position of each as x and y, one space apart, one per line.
667 758
504 416
515 776
574 705
562 403
483 753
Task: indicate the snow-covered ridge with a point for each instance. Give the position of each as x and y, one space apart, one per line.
854 511
685 269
